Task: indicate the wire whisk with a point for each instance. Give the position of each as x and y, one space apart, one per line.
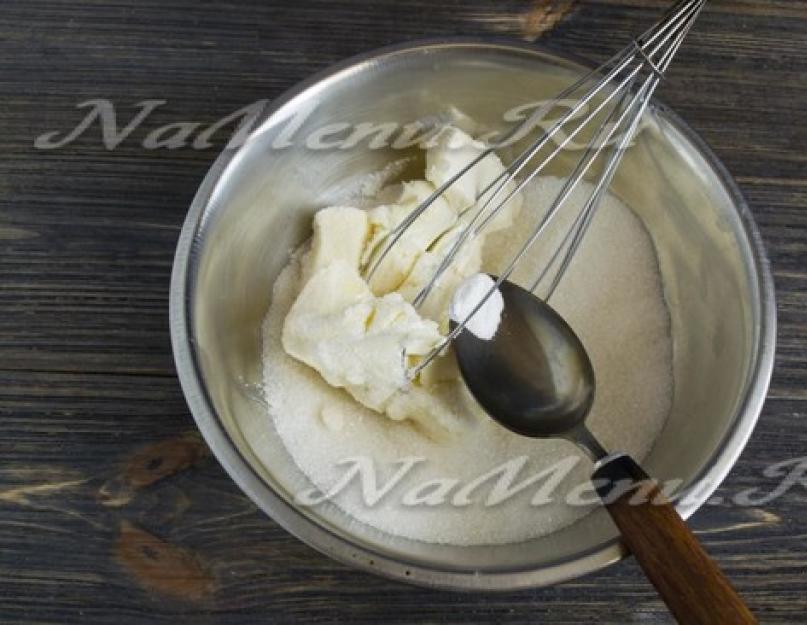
609 102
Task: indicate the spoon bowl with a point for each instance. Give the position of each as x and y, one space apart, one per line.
534 376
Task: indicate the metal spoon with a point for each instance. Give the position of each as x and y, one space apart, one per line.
535 378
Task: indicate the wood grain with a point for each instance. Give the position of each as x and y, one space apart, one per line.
95 438
687 578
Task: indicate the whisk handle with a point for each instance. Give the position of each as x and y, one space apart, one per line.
687 579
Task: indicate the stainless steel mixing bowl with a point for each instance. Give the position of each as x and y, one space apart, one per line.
255 205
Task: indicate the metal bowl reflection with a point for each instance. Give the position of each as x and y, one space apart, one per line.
255 205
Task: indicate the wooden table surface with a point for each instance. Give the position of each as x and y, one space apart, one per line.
111 508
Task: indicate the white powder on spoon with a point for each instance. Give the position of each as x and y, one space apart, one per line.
476 289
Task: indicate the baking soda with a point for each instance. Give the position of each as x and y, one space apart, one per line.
479 291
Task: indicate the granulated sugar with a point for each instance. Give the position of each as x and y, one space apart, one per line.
612 297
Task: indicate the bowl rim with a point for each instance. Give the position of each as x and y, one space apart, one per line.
365 558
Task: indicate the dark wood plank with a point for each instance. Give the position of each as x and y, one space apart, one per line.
111 510
77 491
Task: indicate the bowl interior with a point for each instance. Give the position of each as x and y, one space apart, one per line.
257 205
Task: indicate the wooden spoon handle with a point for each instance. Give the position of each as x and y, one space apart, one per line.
687 579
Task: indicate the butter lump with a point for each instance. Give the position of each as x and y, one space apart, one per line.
364 337
454 151
354 339
438 217
340 233
467 261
